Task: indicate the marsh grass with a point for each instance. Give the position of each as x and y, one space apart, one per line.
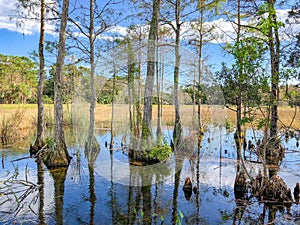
17 120
12 126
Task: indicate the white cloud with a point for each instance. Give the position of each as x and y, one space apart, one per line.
121 31
9 22
224 32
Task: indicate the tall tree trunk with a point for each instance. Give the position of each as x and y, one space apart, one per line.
194 98
240 71
274 46
238 132
200 131
39 142
147 119
131 91
61 156
159 126
92 144
112 106
139 92
177 133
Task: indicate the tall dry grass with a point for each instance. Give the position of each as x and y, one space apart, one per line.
12 127
19 119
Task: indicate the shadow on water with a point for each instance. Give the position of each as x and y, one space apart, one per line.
220 191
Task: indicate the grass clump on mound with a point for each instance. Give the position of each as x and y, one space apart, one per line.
159 153
150 155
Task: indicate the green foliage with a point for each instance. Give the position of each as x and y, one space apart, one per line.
18 79
72 76
50 143
159 153
246 120
262 123
106 94
227 124
193 92
47 99
179 218
225 216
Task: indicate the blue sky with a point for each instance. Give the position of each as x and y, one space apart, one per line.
15 43
21 42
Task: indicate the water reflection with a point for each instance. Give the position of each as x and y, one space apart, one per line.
91 153
59 177
222 192
40 182
178 169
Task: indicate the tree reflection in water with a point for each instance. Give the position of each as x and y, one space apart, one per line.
154 195
91 152
144 206
178 169
40 169
59 177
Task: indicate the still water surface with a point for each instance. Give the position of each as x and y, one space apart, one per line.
111 191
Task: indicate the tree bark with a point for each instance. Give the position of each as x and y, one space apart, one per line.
240 74
159 96
92 144
177 133
60 157
274 47
148 97
200 131
39 142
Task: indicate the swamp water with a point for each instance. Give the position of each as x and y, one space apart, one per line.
106 189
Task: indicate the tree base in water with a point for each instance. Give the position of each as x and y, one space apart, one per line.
56 158
276 190
37 146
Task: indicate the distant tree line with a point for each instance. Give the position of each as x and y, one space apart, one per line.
18 85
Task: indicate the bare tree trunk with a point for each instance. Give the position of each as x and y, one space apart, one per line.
239 100
92 144
274 46
159 129
112 105
177 133
139 92
200 66
194 97
162 71
130 84
61 156
58 102
39 142
148 97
